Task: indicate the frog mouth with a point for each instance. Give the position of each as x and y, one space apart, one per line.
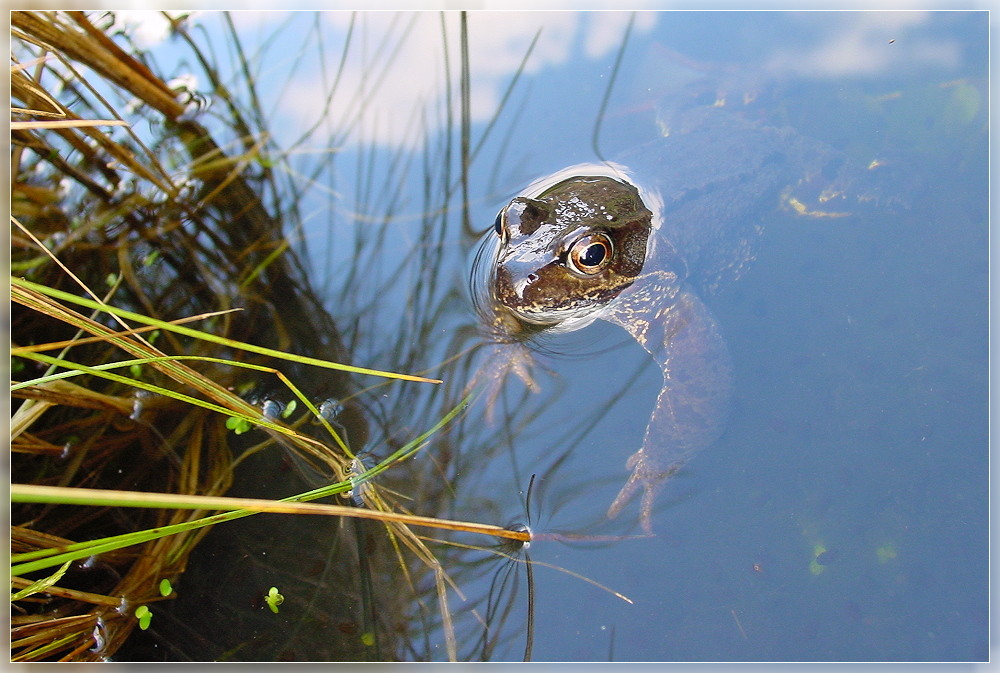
561 319
566 315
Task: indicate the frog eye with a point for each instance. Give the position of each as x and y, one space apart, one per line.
498 224
590 253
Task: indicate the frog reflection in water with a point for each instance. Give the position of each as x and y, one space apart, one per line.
584 249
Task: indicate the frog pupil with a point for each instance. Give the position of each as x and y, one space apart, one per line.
594 254
498 224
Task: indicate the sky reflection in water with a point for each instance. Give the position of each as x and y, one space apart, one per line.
843 514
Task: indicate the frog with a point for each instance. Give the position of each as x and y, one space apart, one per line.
637 242
583 249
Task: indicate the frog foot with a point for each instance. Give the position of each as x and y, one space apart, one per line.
504 360
647 476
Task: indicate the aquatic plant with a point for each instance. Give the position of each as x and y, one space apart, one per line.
146 222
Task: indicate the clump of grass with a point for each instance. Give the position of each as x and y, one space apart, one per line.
153 284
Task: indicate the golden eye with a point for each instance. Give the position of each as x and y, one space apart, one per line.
590 253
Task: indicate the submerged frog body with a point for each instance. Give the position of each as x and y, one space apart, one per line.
592 242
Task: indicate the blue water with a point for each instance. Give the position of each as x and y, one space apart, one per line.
843 514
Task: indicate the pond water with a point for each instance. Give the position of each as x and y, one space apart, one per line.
841 516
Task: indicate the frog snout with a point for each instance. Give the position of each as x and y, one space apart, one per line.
511 283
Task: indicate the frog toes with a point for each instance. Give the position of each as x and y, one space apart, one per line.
628 491
649 480
634 459
623 497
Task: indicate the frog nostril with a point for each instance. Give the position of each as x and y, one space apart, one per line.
532 277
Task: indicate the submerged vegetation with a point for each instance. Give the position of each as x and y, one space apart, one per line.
170 348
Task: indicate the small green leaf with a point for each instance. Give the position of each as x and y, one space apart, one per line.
150 258
144 615
165 588
289 408
273 599
367 638
237 425
135 371
111 279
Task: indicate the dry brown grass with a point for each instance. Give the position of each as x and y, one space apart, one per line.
123 192
194 238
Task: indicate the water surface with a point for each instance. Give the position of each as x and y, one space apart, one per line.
843 513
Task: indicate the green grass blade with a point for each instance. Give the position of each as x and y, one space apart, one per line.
41 585
99 371
206 336
33 561
141 361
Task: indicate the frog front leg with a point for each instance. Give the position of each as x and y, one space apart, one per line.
501 361
677 329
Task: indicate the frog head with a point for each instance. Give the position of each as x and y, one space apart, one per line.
569 249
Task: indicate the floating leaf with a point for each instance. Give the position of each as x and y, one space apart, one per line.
237 425
815 567
144 615
274 599
886 553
